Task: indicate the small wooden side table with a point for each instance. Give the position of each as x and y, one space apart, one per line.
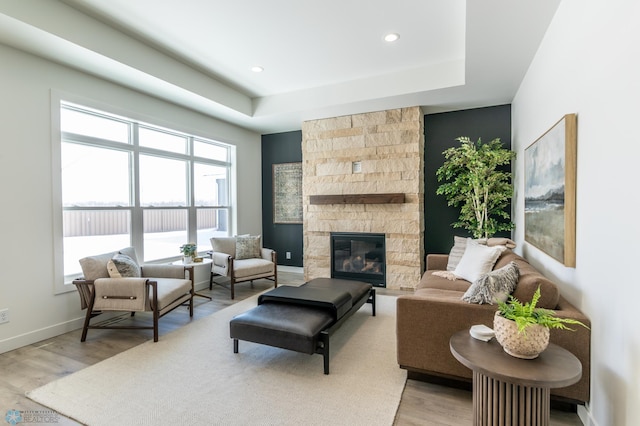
509 390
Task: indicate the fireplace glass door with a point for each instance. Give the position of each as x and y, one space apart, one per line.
358 256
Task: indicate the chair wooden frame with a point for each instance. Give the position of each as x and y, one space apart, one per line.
86 290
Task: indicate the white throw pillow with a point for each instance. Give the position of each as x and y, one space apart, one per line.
459 244
477 260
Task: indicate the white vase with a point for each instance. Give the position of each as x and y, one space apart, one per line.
527 345
187 259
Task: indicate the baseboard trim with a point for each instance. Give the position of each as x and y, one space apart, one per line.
295 269
35 336
45 333
584 413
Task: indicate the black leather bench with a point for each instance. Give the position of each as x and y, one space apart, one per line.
302 318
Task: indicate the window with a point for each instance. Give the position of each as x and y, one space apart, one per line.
125 182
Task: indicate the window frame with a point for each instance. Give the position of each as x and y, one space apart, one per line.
63 283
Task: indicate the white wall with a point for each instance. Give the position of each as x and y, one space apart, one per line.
26 250
589 64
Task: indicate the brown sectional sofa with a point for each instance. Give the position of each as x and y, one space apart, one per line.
428 318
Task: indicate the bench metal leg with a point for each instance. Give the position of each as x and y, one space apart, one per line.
372 300
235 346
324 338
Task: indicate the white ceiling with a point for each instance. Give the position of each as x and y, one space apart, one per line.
320 59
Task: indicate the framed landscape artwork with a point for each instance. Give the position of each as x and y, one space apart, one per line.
550 191
287 193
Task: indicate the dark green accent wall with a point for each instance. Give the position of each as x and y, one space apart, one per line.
441 130
280 148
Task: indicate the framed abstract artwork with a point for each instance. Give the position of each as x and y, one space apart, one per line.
550 191
287 193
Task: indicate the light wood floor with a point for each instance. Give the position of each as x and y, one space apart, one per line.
35 365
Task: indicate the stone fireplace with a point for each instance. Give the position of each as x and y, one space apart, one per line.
364 173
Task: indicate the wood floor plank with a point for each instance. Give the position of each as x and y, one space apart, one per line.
21 370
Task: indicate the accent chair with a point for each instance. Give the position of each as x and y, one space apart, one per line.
242 259
116 282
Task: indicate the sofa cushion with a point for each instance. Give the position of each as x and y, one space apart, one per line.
442 296
529 281
494 286
429 280
248 247
477 260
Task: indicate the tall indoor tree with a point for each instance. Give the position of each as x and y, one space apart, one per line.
475 181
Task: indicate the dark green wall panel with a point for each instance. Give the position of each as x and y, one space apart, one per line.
280 148
441 130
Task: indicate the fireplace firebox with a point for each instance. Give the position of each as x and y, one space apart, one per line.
358 256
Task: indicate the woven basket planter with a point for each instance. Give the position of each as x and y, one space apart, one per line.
526 345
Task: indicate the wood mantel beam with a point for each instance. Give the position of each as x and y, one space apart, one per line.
393 198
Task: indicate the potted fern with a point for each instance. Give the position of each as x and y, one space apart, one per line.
523 329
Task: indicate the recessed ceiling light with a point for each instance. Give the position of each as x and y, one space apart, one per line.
257 69
391 37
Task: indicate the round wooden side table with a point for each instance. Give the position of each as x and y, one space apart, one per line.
509 390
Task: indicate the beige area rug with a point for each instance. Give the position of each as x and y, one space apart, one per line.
192 377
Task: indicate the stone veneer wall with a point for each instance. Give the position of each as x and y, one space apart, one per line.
390 147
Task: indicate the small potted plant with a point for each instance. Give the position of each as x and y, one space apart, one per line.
189 252
523 329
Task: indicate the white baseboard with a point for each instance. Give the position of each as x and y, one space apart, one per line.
35 336
201 285
295 269
584 413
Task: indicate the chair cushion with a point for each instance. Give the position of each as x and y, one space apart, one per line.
153 270
170 289
94 267
248 267
224 245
